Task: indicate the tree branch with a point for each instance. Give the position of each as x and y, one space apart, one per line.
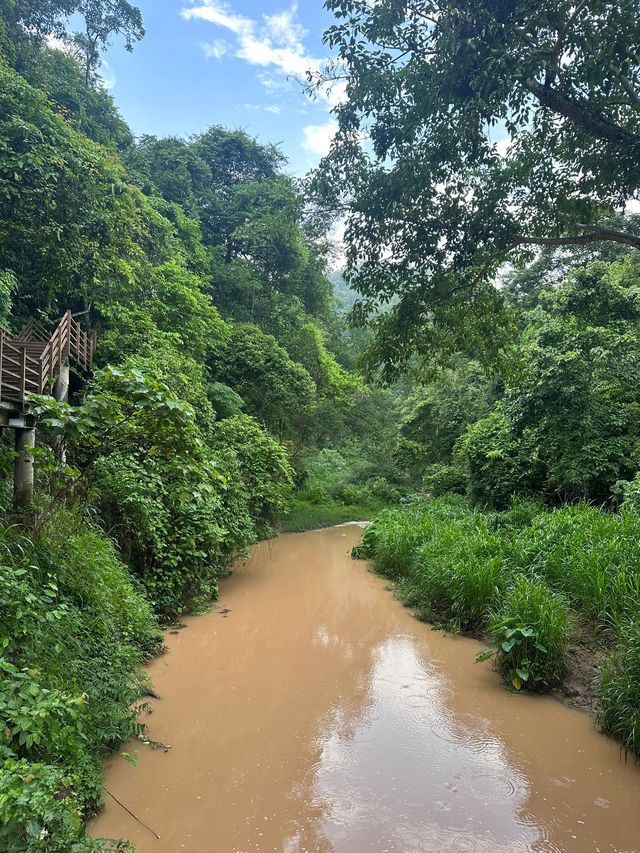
593 234
581 115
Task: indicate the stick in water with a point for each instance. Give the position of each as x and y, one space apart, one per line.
134 816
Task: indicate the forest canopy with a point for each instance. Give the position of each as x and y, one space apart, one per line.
471 135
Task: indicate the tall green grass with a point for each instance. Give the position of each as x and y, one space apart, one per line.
591 557
517 575
618 690
456 575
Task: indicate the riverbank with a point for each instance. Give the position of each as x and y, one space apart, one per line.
304 516
557 593
310 710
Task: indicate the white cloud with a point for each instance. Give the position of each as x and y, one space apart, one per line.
274 44
318 137
106 74
63 45
215 49
266 108
502 146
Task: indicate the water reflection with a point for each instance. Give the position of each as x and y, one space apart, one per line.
408 775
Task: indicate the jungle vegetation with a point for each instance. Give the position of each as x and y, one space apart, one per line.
224 381
492 406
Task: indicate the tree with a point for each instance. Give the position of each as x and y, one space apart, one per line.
277 390
578 389
104 19
434 205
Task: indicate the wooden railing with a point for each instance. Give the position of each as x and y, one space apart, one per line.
30 360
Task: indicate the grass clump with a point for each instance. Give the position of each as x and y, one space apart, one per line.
529 636
591 557
400 532
456 575
618 690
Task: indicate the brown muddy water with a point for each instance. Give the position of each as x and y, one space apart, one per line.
318 715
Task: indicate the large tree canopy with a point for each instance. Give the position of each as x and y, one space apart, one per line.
434 204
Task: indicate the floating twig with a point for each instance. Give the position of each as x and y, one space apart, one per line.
134 816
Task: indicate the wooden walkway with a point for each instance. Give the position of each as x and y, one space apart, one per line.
30 361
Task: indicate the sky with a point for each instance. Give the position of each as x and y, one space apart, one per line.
235 63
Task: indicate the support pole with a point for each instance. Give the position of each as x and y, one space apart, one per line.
61 394
61 385
23 468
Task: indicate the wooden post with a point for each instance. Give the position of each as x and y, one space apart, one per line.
23 468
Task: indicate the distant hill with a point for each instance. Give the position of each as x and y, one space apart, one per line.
345 296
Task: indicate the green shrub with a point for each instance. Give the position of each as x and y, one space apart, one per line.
352 494
40 812
441 479
265 472
177 506
530 636
73 632
326 473
499 463
381 488
618 690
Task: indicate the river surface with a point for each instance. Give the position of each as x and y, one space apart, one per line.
311 712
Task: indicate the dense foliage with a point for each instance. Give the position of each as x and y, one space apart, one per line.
74 629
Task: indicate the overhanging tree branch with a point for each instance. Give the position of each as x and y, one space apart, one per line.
593 234
581 115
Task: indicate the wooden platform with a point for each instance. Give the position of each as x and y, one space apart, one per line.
30 361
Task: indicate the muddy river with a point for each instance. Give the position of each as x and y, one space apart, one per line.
311 712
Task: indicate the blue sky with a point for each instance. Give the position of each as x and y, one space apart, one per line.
233 63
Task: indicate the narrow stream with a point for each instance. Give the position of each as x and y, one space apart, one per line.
318 715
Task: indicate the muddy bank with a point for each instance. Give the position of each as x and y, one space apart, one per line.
318 715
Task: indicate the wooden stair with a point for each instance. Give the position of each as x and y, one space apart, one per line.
30 361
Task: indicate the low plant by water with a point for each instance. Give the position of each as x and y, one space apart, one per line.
618 690
529 636
74 630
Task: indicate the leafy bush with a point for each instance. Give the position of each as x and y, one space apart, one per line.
39 810
352 494
265 472
441 479
327 471
618 690
73 633
530 636
499 463
178 508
